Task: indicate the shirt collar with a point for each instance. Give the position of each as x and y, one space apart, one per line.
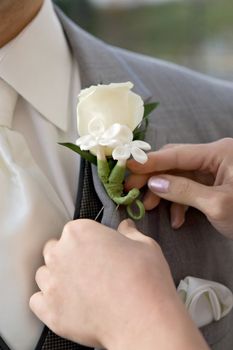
38 65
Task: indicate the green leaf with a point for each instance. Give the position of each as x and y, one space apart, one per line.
149 107
84 154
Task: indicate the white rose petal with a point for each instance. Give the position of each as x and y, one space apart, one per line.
136 109
107 116
113 103
96 127
128 85
86 92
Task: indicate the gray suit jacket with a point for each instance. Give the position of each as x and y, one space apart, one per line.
193 109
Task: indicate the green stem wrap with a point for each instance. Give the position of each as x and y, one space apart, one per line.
113 184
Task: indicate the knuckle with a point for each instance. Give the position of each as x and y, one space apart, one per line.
68 228
183 186
225 143
219 205
74 230
228 141
38 273
32 302
168 145
50 258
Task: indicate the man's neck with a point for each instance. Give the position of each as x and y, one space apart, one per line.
15 17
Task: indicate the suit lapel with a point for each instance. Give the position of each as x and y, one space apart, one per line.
99 63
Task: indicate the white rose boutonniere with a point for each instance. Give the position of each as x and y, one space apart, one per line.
112 121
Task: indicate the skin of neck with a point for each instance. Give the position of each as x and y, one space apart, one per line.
15 16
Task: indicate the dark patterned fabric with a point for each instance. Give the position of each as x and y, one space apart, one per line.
88 206
90 203
3 345
53 342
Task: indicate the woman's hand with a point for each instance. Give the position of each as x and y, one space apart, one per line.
111 289
212 162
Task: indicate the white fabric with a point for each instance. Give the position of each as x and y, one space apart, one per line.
30 213
206 301
40 67
38 178
41 70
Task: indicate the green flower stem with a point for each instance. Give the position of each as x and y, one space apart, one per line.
103 170
138 212
117 174
113 184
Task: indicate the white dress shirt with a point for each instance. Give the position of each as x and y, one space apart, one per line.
39 66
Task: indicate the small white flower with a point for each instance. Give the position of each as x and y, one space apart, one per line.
135 148
96 130
121 138
117 138
116 135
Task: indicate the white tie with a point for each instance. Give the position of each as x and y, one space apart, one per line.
30 214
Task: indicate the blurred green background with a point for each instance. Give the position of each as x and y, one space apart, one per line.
194 33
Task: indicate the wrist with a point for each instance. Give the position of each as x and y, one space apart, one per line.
165 325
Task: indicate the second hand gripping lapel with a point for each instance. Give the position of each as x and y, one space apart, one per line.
88 206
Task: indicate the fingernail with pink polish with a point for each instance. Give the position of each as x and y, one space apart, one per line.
158 185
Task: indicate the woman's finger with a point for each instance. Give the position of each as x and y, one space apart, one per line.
150 200
128 229
48 251
38 306
136 181
181 157
42 278
183 191
177 214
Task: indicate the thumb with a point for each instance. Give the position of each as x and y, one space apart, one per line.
128 229
182 190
